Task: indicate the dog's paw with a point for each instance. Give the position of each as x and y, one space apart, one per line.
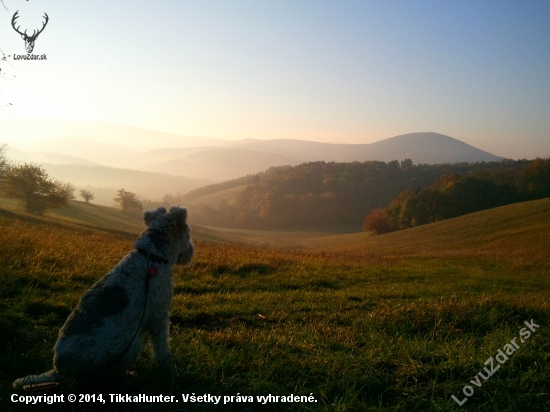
168 370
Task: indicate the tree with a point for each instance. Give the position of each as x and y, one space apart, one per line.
434 202
31 184
87 195
407 165
377 222
128 201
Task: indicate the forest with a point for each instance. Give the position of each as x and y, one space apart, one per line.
453 195
321 195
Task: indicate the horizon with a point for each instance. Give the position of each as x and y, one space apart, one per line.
353 74
35 137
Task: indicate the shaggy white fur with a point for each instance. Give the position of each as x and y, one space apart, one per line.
105 331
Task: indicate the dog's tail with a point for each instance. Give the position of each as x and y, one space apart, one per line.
50 376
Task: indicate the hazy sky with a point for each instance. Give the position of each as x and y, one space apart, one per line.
333 71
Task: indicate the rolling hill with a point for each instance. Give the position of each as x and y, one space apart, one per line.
516 234
222 163
299 322
95 217
517 230
105 181
214 199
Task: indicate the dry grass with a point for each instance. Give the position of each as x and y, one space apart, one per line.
360 332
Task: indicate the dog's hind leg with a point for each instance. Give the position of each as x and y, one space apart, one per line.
130 356
50 376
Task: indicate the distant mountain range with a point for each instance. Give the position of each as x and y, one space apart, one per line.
199 158
251 156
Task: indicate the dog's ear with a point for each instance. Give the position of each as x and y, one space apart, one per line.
178 214
150 215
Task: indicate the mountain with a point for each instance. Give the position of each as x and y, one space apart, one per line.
43 135
118 145
251 156
222 163
197 158
21 156
430 148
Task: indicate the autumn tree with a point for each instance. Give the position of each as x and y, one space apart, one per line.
31 184
86 195
128 201
377 222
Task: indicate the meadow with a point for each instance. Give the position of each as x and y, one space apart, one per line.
360 329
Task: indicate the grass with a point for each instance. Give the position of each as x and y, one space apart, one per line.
377 332
288 239
516 234
517 229
81 215
214 199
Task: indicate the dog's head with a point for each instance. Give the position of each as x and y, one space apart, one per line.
167 234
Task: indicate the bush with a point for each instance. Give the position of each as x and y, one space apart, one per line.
377 222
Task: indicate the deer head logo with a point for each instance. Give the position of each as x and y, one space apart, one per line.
29 40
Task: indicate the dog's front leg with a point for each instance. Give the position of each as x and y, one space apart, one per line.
159 330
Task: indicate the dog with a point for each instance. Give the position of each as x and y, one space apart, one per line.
105 331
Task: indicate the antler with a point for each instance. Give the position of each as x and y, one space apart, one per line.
43 26
35 33
15 16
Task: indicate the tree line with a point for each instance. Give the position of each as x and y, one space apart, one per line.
453 195
325 195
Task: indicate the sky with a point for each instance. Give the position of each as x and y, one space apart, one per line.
331 71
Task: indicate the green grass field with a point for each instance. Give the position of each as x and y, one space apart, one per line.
400 322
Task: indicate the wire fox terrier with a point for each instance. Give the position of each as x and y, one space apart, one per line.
106 329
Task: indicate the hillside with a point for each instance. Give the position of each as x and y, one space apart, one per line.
214 199
105 181
518 232
260 321
102 218
222 163
328 196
